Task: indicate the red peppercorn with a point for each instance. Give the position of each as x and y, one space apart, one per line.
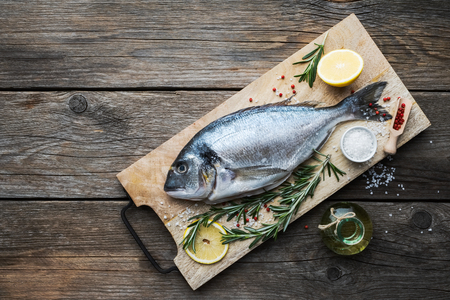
246 210
352 91
388 98
377 112
292 86
274 89
281 94
403 105
237 225
247 220
375 108
265 205
293 92
384 115
384 99
255 218
268 209
306 226
250 99
370 104
282 76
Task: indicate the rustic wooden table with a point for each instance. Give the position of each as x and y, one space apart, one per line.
87 88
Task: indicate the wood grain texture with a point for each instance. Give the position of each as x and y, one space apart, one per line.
47 150
81 249
144 180
149 69
203 44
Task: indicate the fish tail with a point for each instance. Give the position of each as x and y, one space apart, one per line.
363 104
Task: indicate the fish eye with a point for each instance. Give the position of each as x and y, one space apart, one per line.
182 168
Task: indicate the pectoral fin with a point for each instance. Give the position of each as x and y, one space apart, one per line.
255 172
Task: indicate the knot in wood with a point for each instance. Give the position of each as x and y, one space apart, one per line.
334 273
422 219
78 103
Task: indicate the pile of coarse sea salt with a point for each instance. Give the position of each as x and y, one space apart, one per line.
379 175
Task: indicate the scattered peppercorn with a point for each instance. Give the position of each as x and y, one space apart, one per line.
292 86
255 218
282 76
377 112
237 225
247 220
274 89
384 115
306 226
265 205
246 210
281 94
268 209
352 91
403 105
250 99
370 104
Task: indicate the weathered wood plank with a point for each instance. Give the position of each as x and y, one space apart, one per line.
81 249
48 150
213 44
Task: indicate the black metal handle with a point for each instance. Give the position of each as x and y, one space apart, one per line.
140 243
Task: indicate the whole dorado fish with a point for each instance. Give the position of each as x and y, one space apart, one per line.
256 149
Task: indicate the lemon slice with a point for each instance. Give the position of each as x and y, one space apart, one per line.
340 67
209 249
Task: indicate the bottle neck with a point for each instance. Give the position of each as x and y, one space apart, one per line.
350 231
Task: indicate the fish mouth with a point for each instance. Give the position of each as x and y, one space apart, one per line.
173 189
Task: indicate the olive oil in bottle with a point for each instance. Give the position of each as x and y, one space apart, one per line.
346 228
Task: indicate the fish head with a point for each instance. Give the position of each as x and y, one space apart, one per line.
190 177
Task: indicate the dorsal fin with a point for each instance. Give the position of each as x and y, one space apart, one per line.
309 103
281 103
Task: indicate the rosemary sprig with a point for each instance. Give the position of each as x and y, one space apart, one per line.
313 58
292 195
249 207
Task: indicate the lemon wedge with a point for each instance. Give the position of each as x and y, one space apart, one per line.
340 67
208 247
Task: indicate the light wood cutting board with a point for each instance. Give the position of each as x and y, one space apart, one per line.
144 180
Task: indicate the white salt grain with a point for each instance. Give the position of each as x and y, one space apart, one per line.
429 229
358 144
390 215
165 217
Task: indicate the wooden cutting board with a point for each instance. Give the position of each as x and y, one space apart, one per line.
144 180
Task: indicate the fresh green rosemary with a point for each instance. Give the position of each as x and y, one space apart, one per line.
291 196
313 58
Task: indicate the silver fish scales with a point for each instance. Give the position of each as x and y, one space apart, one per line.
256 149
